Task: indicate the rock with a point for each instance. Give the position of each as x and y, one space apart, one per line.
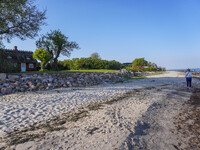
69 84
13 77
30 84
41 87
33 87
50 85
38 84
22 89
17 83
70 79
25 86
50 80
6 84
74 76
2 76
3 90
74 85
6 90
35 75
44 81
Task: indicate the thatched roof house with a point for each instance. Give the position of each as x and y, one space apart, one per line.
24 59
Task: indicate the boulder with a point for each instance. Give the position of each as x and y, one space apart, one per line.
6 84
17 83
30 84
33 87
2 76
6 90
13 77
50 85
22 89
3 90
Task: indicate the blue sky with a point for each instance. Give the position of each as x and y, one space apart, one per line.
166 32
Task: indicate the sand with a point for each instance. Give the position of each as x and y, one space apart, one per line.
140 115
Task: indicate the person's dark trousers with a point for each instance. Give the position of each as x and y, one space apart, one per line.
189 82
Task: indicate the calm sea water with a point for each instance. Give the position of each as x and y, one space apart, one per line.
192 69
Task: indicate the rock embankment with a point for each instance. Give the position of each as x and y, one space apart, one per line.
13 83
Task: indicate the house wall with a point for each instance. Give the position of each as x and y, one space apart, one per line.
31 69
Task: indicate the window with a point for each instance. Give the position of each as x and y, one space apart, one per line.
31 66
9 57
28 58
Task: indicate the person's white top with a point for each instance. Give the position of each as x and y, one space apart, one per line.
188 75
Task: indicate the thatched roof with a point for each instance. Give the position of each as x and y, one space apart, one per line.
18 56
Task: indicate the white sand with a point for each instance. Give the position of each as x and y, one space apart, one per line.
114 126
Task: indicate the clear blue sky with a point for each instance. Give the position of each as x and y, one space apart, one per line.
166 32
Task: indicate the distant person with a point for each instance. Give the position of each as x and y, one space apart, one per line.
188 76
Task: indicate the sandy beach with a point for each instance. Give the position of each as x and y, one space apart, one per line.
138 114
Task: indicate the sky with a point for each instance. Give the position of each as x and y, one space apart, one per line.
166 32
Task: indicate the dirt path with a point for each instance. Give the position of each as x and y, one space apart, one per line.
145 118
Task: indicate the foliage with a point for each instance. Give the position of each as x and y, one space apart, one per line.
139 62
19 18
88 63
56 43
64 65
42 55
95 55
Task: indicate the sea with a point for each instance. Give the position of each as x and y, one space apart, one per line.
192 69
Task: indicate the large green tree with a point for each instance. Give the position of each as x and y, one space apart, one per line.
139 62
56 43
42 55
19 18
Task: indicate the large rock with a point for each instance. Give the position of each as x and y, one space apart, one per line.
13 77
2 76
6 90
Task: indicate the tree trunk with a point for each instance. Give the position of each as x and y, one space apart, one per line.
42 66
55 65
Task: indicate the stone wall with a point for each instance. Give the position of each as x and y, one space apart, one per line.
13 83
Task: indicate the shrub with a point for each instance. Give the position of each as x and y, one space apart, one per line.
89 63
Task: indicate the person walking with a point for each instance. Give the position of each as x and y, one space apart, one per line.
188 76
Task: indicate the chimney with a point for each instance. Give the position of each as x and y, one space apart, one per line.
15 48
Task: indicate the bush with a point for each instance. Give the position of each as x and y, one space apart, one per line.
64 65
88 63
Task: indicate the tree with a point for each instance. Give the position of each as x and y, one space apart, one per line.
139 62
95 55
19 18
42 55
56 43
